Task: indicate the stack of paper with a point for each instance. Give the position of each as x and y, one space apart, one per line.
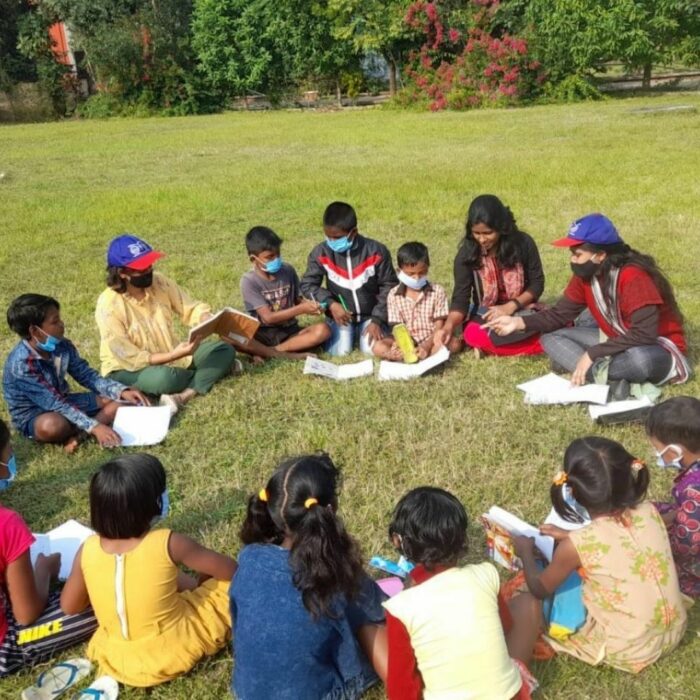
339 372
141 425
64 540
399 370
621 411
553 389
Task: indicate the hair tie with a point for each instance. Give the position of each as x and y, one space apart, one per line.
637 466
262 495
560 478
310 503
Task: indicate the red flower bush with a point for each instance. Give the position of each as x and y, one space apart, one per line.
469 67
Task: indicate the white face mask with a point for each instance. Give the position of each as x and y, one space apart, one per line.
675 463
411 282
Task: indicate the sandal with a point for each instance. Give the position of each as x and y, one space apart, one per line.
102 688
56 680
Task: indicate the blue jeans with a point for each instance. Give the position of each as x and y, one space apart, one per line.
343 338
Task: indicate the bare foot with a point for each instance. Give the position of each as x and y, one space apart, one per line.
257 360
72 444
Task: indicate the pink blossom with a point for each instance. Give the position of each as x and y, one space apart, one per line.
454 35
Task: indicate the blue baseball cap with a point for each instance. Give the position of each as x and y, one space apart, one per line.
129 251
595 229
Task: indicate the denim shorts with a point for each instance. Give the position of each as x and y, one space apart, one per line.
85 402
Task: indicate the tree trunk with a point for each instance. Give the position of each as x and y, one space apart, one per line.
392 76
338 93
646 76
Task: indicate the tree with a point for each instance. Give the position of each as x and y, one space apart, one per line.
375 26
580 36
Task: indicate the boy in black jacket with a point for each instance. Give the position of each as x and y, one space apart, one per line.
359 275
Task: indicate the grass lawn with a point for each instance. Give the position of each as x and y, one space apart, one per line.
193 186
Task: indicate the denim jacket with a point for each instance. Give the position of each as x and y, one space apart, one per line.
31 382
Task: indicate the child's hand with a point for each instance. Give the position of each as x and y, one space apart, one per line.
310 308
523 545
134 396
393 354
373 331
422 352
105 436
558 533
340 315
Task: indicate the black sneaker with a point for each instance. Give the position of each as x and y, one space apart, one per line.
619 390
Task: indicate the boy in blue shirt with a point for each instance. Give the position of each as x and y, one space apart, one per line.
35 387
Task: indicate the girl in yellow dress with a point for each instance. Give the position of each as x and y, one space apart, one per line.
154 622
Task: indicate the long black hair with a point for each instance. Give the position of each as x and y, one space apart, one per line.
620 254
432 526
488 209
603 477
300 501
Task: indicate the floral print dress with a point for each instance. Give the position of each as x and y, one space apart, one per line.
636 611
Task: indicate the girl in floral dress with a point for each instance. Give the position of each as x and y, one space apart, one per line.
636 612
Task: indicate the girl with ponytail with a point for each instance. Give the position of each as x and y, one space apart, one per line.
635 610
307 620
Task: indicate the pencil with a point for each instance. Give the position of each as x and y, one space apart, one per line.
344 305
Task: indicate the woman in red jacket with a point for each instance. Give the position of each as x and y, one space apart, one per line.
638 332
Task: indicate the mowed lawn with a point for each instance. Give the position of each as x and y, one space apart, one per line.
193 187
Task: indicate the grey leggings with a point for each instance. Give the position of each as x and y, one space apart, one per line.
643 363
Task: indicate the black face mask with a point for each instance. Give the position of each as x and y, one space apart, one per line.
585 270
142 281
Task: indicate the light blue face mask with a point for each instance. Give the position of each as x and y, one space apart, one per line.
570 501
11 465
412 282
675 463
49 345
339 245
273 266
164 507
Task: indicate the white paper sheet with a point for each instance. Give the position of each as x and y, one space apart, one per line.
64 540
400 370
618 407
142 425
553 389
515 526
339 372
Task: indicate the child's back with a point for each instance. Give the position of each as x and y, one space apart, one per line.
453 622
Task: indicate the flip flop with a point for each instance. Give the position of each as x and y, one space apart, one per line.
56 680
102 688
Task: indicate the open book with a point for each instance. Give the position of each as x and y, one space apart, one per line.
228 323
400 370
64 540
339 372
500 525
553 389
141 425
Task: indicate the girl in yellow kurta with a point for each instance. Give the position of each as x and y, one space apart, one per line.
154 622
636 612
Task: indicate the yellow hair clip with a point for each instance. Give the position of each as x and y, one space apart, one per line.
310 502
262 495
560 478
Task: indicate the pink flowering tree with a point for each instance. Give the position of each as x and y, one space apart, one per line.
462 63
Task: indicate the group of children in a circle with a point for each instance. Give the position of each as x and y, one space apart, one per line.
306 619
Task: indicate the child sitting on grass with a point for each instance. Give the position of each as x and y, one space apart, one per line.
673 428
445 636
358 274
34 383
419 304
32 626
636 612
155 622
271 293
306 618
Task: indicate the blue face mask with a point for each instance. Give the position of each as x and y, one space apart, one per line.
570 501
49 345
411 282
675 463
164 507
11 465
340 245
274 266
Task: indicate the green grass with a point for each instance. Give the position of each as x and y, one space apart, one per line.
193 186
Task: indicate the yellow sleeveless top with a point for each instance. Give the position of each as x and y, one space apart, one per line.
148 631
